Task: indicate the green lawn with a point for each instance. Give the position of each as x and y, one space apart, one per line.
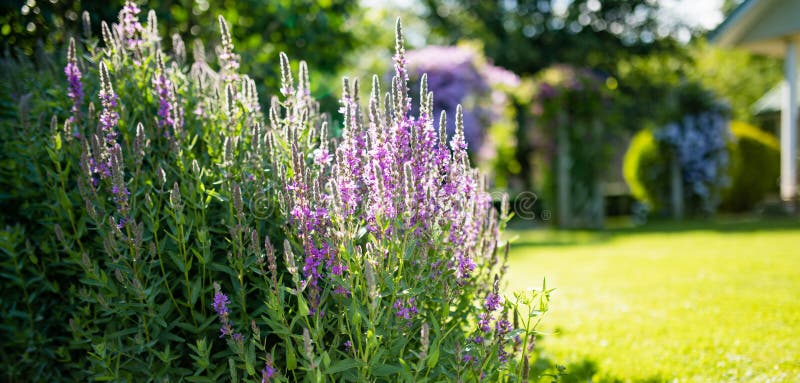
690 302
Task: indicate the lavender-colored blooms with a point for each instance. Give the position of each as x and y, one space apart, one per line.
393 177
162 88
109 118
170 111
456 75
220 305
700 144
405 309
129 27
75 86
103 158
267 373
492 302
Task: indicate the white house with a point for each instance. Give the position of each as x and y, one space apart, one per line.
772 27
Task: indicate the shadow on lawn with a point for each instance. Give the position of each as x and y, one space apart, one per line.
584 371
729 224
622 227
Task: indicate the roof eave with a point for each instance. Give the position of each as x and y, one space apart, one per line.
729 31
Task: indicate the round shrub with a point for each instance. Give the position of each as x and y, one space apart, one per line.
756 159
705 167
646 170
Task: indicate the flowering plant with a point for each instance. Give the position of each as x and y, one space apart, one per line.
693 149
391 249
211 240
699 143
460 75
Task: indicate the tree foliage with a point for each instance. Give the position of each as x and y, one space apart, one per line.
316 30
526 36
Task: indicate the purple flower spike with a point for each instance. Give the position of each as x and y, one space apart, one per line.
75 87
220 305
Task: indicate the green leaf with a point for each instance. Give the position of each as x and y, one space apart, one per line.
342 365
382 370
433 357
291 357
303 306
326 359
250 359
232 367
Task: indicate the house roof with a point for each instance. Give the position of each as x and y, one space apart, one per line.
769 102
760 26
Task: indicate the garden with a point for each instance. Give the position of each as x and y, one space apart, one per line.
425 191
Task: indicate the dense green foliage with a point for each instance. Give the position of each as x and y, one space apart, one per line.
149 205
738 76
526 37
668 301
573 106
319 31
35 278
756 167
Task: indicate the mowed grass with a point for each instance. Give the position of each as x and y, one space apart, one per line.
715 301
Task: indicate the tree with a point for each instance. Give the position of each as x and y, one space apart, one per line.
312 30
526 36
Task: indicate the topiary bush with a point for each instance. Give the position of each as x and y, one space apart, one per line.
756 167
186 235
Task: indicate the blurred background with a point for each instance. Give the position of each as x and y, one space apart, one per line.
639 141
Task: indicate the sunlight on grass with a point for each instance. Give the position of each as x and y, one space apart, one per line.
688 303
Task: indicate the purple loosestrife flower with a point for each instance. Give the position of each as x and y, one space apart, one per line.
406 309
130 29
220 305
492 302
170 113
109 118
103 156
228 61
75 88
393 177
268 372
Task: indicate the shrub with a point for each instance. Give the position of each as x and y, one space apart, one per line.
699 142
703 159
646 171
35 277
756 168
184 221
